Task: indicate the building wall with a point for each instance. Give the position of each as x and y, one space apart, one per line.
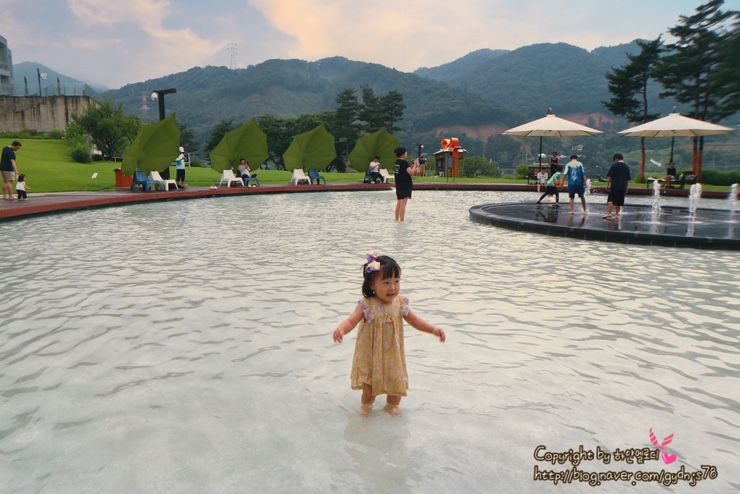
42 114
6 68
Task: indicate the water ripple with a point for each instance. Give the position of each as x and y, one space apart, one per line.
190 342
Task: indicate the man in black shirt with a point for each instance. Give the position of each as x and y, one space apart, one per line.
404 184
618 179
9 169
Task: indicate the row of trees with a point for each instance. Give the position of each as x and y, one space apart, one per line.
351 119
700 69
110 130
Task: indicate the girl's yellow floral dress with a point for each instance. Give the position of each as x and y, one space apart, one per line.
379 358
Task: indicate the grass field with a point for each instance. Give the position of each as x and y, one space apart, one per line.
49 168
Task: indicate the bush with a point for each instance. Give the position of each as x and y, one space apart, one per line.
522 171
81 154
55 134
718 177
475 166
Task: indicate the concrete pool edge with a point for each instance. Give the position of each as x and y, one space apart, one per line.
483 213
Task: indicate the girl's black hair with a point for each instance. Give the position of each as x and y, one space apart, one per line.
389 268
21 177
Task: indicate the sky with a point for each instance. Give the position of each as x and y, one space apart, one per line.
116 42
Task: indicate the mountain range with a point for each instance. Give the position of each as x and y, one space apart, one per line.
477 95
70 86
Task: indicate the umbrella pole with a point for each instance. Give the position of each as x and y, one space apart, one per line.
539 155
672 140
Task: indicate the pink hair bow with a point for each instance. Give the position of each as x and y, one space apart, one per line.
372 262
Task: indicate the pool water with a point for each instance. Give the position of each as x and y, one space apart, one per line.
186 347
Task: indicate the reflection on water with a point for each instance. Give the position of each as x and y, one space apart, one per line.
185 347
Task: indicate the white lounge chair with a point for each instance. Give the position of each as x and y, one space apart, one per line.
157 178
228 177
299 177
384 173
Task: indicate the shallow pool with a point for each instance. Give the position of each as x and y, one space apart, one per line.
185 347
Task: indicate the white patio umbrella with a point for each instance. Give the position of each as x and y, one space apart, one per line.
676 125
551 126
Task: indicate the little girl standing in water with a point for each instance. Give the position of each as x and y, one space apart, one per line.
379 364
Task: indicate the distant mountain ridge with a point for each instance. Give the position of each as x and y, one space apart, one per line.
289 88
478 94
532 78
463 66
68 85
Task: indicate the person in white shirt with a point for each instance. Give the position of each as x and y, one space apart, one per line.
374 170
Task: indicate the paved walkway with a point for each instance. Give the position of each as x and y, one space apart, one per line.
46 203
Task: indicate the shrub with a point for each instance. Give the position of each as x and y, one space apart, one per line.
522 171
475 166
718 177
81 153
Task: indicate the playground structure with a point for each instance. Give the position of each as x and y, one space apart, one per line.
449 159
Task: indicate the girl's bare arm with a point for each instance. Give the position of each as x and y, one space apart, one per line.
348 324
420 324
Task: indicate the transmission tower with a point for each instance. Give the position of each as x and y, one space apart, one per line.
144 108
233 51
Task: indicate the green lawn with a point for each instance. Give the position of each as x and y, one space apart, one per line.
49 168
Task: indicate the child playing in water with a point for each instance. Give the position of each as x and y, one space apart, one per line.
379 364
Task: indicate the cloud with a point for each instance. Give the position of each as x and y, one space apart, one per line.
406 34
117 42
146 47
415 33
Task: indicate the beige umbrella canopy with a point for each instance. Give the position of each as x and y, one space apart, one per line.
551 126
676 125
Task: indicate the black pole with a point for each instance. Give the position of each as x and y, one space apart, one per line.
38 74
161 107
539 155
672 139
160 99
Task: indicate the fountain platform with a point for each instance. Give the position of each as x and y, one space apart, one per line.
674 226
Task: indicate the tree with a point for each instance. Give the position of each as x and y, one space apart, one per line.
109 128
344 124
728 71
278 136
219 131
77 142
628 86
187 138
280 132
689 70
383 112
371 112
392 108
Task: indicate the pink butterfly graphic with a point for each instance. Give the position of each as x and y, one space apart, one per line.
667 459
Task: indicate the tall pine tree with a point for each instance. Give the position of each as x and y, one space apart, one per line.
628 86
689 70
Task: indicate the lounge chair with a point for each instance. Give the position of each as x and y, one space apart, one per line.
315 175
157 178
384 173
299 177
140 178
228 177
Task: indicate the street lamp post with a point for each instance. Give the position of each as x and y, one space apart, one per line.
158 95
